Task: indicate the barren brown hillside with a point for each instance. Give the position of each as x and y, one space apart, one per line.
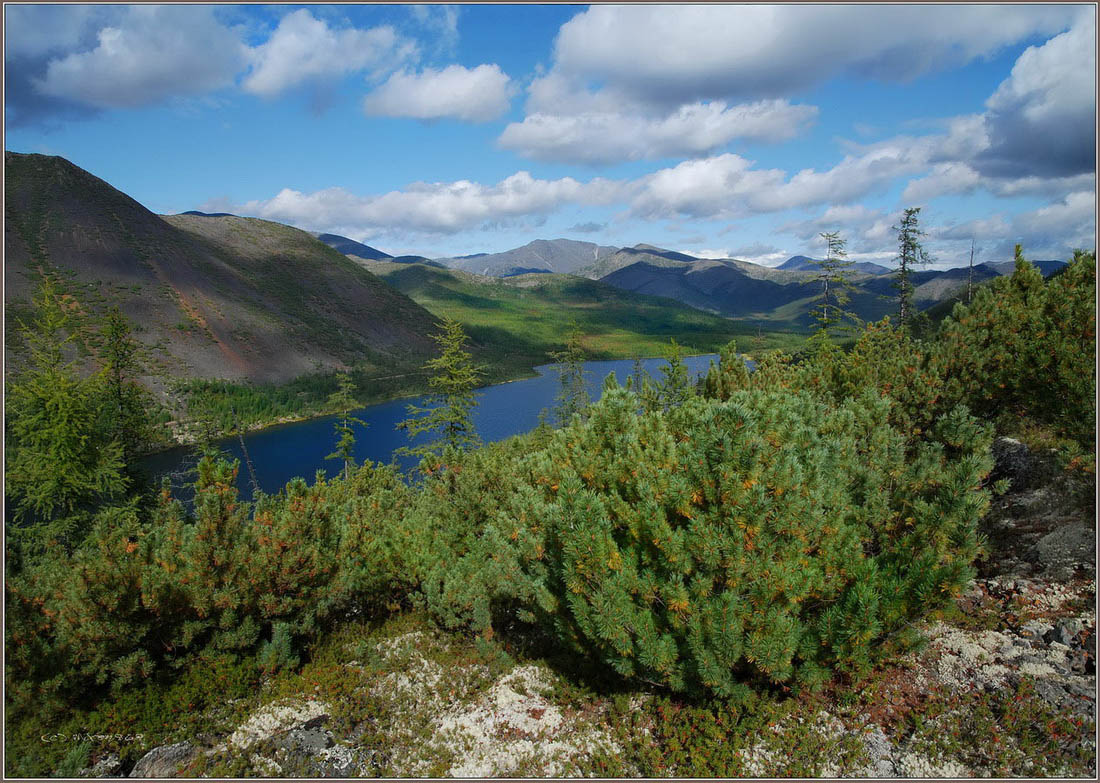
212 297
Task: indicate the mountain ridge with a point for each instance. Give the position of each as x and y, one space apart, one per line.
350 247
734 288
553 255
807 264
226 297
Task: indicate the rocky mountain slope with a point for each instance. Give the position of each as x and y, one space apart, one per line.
212 296
552 255
626 256
1005 687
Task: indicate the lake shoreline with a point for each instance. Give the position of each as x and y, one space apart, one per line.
281 451
180 437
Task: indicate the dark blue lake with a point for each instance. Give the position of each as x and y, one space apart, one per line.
284 451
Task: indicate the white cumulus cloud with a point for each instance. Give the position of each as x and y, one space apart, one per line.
850 220
698 51
149 54
436 207
644 81
36 30
1042 118
1073 218
1038 134
692 129
440 20
723 185
472 94
728 186
979 230
305 49
945 178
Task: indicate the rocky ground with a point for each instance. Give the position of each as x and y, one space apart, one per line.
1006 686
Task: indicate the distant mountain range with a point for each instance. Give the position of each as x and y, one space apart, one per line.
783 295
208 214
807 264
350 247
738 289
1047 268
525 317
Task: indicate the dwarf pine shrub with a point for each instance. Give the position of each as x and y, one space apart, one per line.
279 652
465 573
146 592
1026 347
726 377
770 538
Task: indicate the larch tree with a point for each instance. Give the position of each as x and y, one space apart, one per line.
970 275
61 461
835 288
127 402
910 254
451 403
573 397
343 401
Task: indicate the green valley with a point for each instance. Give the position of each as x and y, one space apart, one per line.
520 319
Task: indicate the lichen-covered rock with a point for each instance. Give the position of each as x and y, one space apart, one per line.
915 765
109 766
1065 632
165 761
513 709
1034 630
879 752
275 719
305 740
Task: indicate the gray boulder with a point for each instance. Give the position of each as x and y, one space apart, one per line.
1069 695
1012 460
1034 630
165 761
1065 632
1062 551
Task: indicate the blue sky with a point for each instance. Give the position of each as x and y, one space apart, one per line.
717 130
